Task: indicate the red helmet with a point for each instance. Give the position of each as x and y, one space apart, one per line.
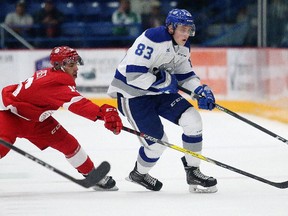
64 55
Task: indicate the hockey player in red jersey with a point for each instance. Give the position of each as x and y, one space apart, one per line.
29 107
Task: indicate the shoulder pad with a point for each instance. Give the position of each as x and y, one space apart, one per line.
158 34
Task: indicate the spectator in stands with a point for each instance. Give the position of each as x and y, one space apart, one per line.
141 7
194 7
50 18
202 16
19 20
252 33
123 17
284 41
155 18
242 15
277 13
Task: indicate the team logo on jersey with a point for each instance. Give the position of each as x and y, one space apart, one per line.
41 73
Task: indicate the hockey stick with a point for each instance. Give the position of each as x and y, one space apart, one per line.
93 177
209 160
238 116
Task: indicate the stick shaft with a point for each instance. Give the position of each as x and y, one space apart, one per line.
209 160
223 109
95 176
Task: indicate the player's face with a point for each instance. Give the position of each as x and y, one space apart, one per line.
71 69
181 34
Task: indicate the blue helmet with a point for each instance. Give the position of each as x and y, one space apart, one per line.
180 17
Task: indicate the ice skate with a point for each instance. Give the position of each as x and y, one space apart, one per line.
145 180
197 181
106 184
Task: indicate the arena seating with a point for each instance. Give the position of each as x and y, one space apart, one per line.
87 23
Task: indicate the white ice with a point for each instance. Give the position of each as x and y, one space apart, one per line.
26 188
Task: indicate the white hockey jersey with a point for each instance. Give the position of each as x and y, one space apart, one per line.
153 50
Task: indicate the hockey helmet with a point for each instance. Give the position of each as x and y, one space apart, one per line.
60 56
180 17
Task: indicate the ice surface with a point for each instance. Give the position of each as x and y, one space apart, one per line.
27 188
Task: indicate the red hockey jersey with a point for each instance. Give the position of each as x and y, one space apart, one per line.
45 92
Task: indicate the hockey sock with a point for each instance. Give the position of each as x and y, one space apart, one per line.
80 161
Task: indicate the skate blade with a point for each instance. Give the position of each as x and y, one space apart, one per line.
200 189
97 188
128 179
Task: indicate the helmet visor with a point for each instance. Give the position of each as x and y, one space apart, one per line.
192 29
80 61
73 59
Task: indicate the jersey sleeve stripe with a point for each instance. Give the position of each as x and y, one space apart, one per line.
136 68
181 77
73 100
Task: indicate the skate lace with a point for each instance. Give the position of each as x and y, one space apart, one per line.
150 180
198 174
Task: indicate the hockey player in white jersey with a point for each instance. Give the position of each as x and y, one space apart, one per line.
145 85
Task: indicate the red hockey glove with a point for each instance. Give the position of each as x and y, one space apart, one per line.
110 116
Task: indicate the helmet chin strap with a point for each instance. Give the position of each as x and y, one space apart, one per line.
59 67
62 68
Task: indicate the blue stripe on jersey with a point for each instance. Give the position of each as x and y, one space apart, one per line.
122 78
119 76
191 139
181 77
144 156
152 89
136 68
158 34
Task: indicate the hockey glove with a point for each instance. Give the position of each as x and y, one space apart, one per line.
110 116
165 82
206 99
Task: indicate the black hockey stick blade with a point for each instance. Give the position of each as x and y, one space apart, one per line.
94 177
221 108
281 185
